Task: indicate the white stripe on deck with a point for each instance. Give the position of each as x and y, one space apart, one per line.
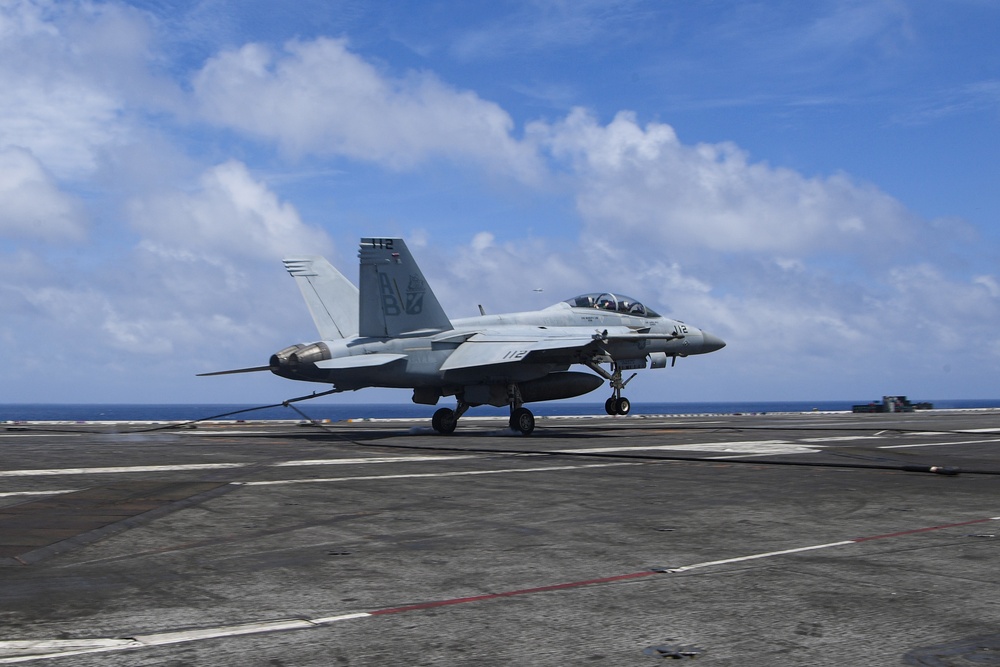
941 444
12 494
223 466
384 459
431 475
118 469
764 447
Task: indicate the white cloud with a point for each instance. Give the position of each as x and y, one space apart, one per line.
953 313
318 98
851 25
641 184
31 204
68 72
229 214
990 283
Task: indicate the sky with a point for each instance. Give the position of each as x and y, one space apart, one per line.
816 183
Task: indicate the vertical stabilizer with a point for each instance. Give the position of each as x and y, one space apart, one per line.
332 299
395 299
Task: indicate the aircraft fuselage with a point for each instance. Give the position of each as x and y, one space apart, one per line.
391 331
423 355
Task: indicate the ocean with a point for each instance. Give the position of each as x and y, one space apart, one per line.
340 412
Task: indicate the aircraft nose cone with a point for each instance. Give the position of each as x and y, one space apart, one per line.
710 343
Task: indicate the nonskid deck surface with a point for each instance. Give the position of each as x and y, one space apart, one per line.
822 538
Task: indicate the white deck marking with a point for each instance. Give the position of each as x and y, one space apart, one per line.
177 637
941 444
57 492
118 469
465 473
766 447
216 434
770 554
223 466
385 459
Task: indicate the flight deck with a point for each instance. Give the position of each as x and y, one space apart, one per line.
777 539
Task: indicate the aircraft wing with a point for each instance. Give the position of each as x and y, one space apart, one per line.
489 349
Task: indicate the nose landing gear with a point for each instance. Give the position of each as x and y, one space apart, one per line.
617 404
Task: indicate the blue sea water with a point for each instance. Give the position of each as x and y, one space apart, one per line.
339 412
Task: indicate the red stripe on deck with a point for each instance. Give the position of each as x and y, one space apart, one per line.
920 530
623 577
507 594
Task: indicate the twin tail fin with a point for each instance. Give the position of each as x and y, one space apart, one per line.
395 298
331 298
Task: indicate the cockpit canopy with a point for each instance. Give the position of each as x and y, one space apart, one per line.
614 302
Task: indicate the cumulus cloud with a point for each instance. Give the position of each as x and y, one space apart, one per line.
31 204
229 214
318 98
88 311
832 273
69 72
522 274
642 184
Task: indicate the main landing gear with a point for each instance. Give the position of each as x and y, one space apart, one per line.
445 420
617 404
522 420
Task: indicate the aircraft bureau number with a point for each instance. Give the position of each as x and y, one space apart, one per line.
383 244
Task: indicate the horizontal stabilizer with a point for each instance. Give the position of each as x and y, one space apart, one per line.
255 369
359 361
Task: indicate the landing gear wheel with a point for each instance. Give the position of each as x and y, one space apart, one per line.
609 406
444 421
522 420
622 406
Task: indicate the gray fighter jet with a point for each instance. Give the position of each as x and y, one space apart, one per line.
394 333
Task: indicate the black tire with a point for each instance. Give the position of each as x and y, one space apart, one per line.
609 406
622 406
522 420
444 421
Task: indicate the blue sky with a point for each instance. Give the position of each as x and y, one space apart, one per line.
816 183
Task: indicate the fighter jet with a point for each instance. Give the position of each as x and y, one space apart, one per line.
393 332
